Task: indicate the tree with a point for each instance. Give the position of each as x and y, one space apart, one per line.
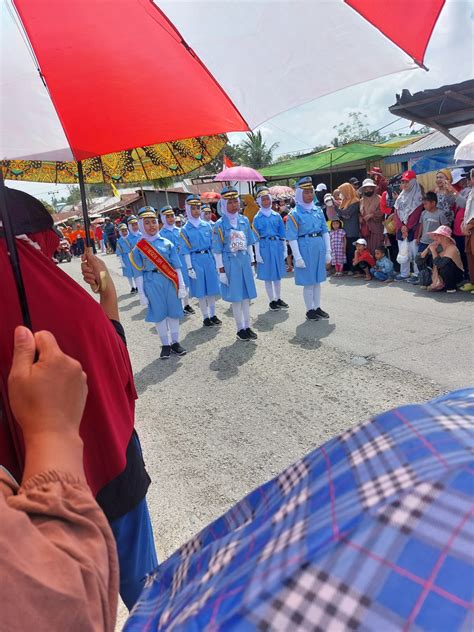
74 196
256 152
355 129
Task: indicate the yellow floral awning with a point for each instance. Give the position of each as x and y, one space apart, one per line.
164 160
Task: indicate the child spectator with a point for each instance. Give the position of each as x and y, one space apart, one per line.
363 260
383 269
431 219
337 237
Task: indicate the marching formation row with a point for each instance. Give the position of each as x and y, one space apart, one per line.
206 260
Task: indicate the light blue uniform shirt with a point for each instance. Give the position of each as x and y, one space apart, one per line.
308 227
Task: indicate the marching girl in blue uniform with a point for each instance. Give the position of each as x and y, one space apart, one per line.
308 236
125 244
232 246
160 282
270 249
206 215
196 246
171 231
133 227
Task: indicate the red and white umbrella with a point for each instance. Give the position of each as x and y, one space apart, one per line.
91 77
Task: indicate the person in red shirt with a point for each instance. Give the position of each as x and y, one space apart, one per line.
99 235
379 179
363 260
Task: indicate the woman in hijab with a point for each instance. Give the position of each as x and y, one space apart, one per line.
349 212
270 249
196 249
113 461
371 216
206 215
170 231
446 193
232 247
160 282
308 235
125 244
408 209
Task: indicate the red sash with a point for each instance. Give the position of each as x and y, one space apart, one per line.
159 261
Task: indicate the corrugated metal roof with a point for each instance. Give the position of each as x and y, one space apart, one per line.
432 141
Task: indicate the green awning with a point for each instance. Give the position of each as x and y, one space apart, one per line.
325 160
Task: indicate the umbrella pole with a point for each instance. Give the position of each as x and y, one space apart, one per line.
85 213
13 254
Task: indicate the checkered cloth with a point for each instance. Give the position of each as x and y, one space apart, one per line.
336 238
372 531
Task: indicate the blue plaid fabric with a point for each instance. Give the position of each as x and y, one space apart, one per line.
372 531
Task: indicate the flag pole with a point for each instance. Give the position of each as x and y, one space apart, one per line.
13 254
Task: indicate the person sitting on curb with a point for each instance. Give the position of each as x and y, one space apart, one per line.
447 265
383 269
363 261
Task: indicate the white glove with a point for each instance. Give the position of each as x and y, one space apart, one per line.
258 258
327 244
223 278
182 293
299 263
328 257
192 273
143 299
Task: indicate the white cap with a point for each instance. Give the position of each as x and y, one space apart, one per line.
368 182
458 175
321 187
360 241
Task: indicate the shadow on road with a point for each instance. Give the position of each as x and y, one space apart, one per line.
129 306
199 336
231 358
140 315
268 320
123 297
308 335
157 371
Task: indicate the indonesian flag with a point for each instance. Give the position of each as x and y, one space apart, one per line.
228 162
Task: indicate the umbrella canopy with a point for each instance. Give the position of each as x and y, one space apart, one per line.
210 196
144 163
239 174
157 72
371 531
465 149
281 191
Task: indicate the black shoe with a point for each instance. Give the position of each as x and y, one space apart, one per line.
312 314
132 291
178 349
274 306
216 321
321 313
165 352
282 304
243 335
207 322
188 309
251 334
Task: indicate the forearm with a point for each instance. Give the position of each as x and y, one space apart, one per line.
51 451
108 298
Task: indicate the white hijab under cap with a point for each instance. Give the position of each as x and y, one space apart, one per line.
145 235
299 200
134 232
266 212
232 218
165 223
194 221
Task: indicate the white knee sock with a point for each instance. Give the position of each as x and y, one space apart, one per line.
131 282
277 290
246 313
203 307
308 297
237 311
185 300
317 295
173 325
211 302
269 289
162 329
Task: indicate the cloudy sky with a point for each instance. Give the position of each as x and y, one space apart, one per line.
450 59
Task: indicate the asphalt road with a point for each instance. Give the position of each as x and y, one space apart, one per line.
229 415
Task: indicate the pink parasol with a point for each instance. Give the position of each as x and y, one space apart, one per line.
239 174
281 191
